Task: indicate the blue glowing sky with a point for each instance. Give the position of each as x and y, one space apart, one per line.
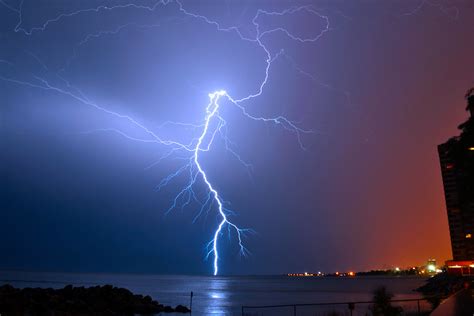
379 85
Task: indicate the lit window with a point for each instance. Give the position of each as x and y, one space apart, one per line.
471 148
468 236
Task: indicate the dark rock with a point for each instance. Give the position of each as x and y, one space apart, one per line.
168 309
75 301
182 309
441 286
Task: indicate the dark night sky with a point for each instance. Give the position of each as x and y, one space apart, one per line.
387 86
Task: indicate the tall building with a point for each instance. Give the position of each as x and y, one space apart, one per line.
457 169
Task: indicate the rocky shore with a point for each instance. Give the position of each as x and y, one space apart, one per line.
442 286
75 301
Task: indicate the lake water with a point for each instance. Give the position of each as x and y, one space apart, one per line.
225 295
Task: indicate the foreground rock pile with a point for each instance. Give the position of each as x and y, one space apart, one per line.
98 300
443 285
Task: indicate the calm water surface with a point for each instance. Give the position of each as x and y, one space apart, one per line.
226 295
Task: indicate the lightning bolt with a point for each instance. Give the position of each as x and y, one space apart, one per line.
212 110
214 124
450 11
